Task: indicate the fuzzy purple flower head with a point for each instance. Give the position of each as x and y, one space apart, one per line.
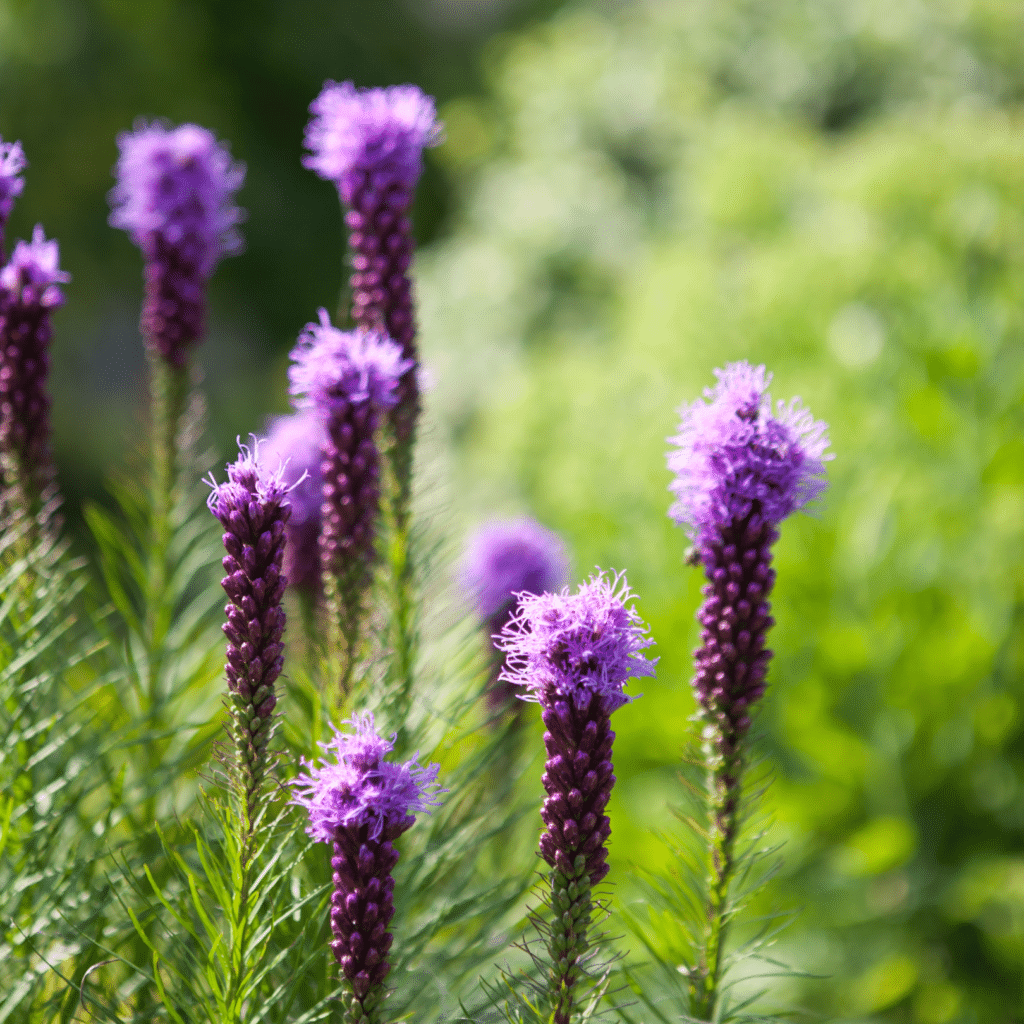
360 787
293 443
12 163
333 370
250 481
33 272
734 455
377 132
577 645
508 557
177 185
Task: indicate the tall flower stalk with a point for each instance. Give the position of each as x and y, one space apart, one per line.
573 653
350 380
503 560
253 508
174 195
29 292
740 470
12 163
370 143
361 803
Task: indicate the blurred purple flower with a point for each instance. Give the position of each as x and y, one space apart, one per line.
370 143
29 292
12 163
175 198
361 803
295 444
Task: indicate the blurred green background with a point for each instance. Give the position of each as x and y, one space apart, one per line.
629 196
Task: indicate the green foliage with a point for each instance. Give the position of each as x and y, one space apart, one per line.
644 214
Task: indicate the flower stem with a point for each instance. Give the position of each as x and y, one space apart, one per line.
571 912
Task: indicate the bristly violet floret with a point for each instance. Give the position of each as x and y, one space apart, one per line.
295 444
175 197
29 292
503 559
12 163
361 803
349 378
370 143
252 506
574 653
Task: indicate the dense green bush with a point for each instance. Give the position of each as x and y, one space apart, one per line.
660 190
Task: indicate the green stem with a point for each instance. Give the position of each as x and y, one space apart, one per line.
571 911
724 775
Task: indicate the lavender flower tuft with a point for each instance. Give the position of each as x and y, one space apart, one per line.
350 379
361 803
504 559
574 653
12 163
295 443
370 143
252 506
29 292
175 197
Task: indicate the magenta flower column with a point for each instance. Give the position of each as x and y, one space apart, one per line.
370 143
740 469
503 560
253 508
350 380
361 803
12 163
573 653
29 292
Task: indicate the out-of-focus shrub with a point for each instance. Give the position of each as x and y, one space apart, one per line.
661 190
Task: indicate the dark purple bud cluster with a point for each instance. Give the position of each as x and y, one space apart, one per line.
175 197
253 509
29 292
361 803
370 143
574 654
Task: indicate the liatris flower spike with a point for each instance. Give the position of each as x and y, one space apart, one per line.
12 163
362 803
296 442
350 379
253 508
573 653
370 143
740 469
29 292
504 559
175 197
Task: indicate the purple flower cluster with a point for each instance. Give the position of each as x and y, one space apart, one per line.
504 559
349 379
370 143
740 470
296 442
29 292
361 803
574 653
12 163
253 508
175 197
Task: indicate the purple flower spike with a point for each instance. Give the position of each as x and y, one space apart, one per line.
370 143
29 292
504 559
350 379
253 508
12 163
175 197
740 470
295 443
573 653
361 803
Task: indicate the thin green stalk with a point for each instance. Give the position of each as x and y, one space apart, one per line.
724 775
